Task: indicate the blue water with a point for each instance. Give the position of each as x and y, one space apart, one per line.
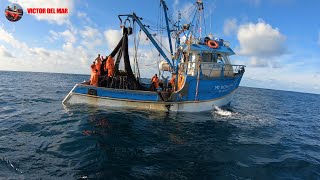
265 134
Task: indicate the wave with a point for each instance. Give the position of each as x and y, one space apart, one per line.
221 112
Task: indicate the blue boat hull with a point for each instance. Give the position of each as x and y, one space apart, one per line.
211 92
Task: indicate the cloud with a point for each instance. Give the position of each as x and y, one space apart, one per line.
84 16
256 62
286 78
53 36
68 36
92 37
89 32
42 59
261 40
4 52
52 18
230 26
84 19
113 37
40 52
92 44
8 38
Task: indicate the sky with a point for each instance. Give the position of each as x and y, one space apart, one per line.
277 40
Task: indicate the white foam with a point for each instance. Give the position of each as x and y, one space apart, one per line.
221 112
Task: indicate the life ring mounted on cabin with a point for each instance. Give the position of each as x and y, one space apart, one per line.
213 44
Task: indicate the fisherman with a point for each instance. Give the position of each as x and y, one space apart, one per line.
101 68
172 82
109 66
98 64
103 72
98 57
154 82
219 60
94 75
180 81
165 81
103 64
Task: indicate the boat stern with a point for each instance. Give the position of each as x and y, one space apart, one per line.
69 96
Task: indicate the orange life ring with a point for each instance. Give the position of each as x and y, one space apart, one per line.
212 44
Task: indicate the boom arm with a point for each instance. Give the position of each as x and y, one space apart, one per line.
137 19
167 23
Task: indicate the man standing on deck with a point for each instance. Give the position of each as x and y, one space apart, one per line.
172 82
98 64
155 82
109 66
94 75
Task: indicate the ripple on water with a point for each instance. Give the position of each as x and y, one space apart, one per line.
9 169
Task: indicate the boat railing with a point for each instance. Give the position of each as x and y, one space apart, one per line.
215 70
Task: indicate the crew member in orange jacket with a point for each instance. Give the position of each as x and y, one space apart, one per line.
155 82
110 66
98 64
94 75
172 82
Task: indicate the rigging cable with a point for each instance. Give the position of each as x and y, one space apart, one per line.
137 55
136 48
160 24
204 21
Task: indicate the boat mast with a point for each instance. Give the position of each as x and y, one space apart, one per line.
200 8
165 8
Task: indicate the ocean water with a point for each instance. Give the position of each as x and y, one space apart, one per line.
264 134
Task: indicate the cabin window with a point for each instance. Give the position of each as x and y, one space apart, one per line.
226 59
207 57
221 59
191 64
214 58
192 57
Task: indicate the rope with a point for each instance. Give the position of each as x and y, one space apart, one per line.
204 21
198 79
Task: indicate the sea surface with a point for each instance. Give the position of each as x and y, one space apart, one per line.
264 134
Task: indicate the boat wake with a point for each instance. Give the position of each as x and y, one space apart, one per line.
240 119
217 110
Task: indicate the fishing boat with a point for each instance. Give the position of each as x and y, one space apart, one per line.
200 66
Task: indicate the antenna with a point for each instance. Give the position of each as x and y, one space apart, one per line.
210 14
